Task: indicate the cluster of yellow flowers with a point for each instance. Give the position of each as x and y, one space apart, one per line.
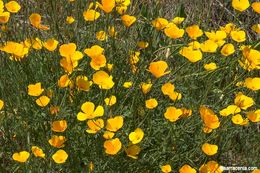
227 40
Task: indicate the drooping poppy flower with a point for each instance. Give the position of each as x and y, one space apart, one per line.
57 141
37 152
209 149
60 156
158 68
89 111
59 126
114 124
21 156
112 146
136 136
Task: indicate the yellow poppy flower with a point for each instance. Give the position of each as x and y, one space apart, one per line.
43 101
160 23
231 109
59 126
210 167
151 103
112 146
89 111
173 31
128 84
60 156
101 36
110 101
114 124
64 81
256 7
35 20
142 44
108 135
35 89
256 28
187 169
83 83
243 101
210 66
107 5
51 44
1 104
194 31
227 49
228 28
21 156
209 118
146 87
209 149
238 35
252 83
136 136
237 119
103 80
190 54
175 96
128 20
178 20
70 20
158 68
209 46
12 7
57 141
98 62
166 168
195 45
251 59
95 125
172 114
240 5
37 152
254 116
4 17
91 15
167 88
94 51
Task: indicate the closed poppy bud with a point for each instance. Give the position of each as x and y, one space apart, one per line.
128 20
158 68
91 15
128 84
166 168
1 104
256 7
43 101
243 101
146 87
60 156
35 89
228 49
21 156
210 67
252 83
187 169
238 35
112 146
136 136
51 44
209 149
237 119
142 44
12 6
38 152
160 23
194 32
59 126
240 5
172 114
151 103
70 20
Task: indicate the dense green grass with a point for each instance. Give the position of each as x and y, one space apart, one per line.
24 124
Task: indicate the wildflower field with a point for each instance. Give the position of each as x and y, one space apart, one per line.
120 86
